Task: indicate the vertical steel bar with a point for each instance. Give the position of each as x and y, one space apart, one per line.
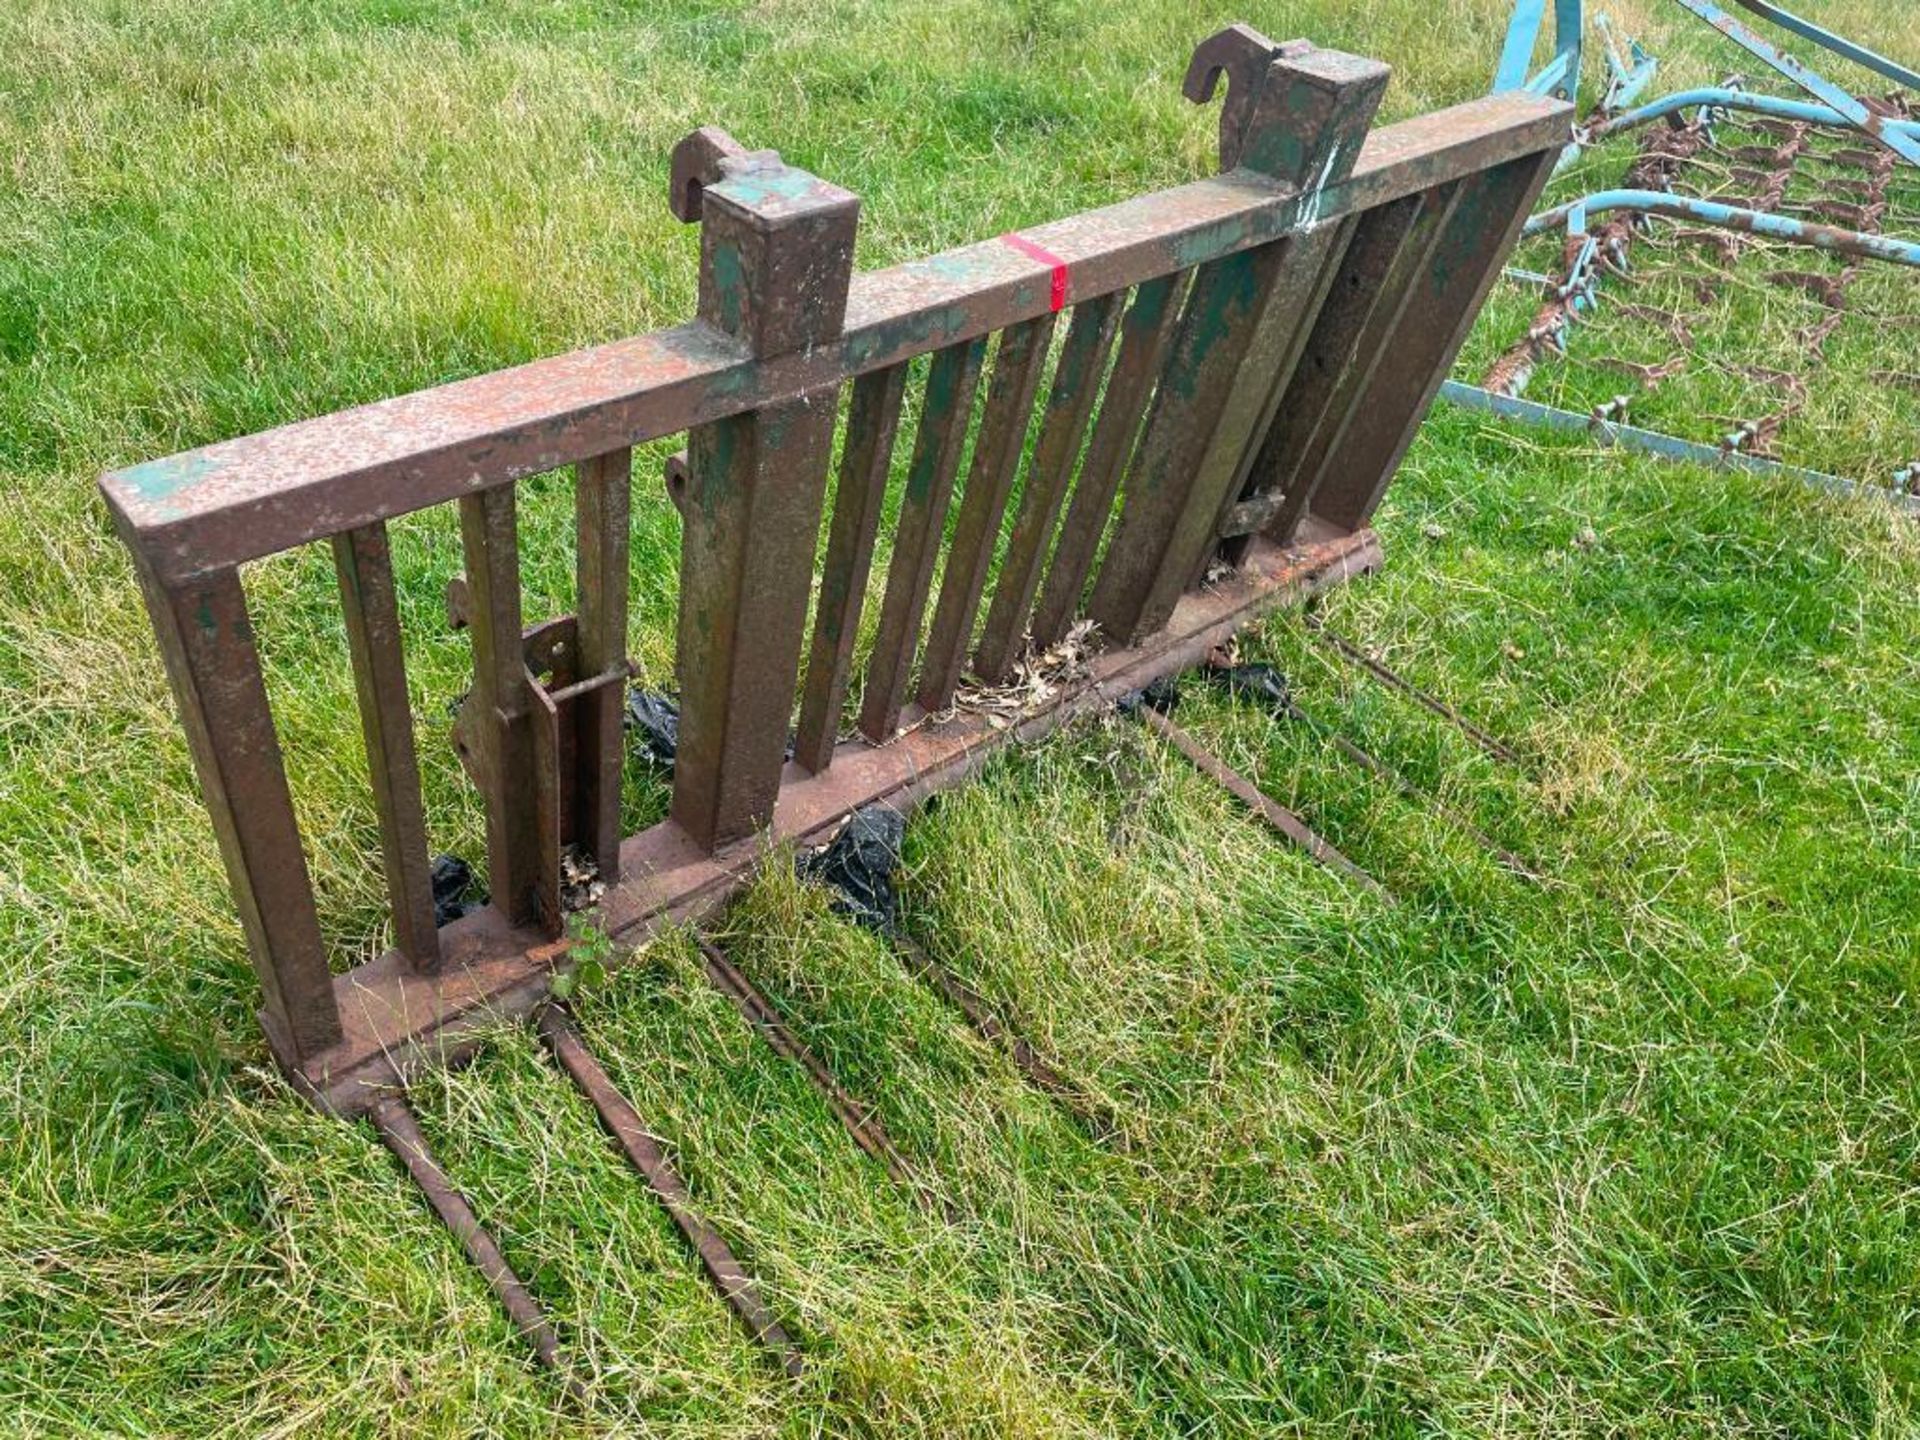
490 535
602 498
951 382
649 1157
1217 330
1143 343
1516 52
1017 364
866 460
1069 403
1286 317
553 758
364 564
1310 411
1334 246
206 641
1434 320
776 256
401 1131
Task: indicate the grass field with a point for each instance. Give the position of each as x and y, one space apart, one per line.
1632 1151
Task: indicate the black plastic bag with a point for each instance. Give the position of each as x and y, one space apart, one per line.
1162 695
451 878
858 865
1261 684
654 718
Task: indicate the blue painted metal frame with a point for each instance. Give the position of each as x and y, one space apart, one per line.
1838 44
1560 76
1722 98
1653 442
1627 74
1626 79
1726 217
1903 143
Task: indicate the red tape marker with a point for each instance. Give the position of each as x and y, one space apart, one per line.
1057 296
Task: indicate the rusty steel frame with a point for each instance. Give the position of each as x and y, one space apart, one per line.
1207 341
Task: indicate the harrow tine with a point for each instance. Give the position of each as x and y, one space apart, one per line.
858 1120
649 1157
1352 653
395 1121
1266 807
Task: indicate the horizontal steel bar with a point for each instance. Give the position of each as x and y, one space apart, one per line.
260 494
1838 44
1717 97
589 685
1653 442
1574 215
1381 770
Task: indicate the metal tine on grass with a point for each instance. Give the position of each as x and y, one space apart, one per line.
1413 792
395 1121
858 1120
1352 653
1038 1070
649 1157
1268 809
858 865
1401 783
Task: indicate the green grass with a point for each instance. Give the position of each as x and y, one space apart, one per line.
1631 1151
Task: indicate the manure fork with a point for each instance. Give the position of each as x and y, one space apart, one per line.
1246 356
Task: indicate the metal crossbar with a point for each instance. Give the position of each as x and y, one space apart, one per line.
1224 377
